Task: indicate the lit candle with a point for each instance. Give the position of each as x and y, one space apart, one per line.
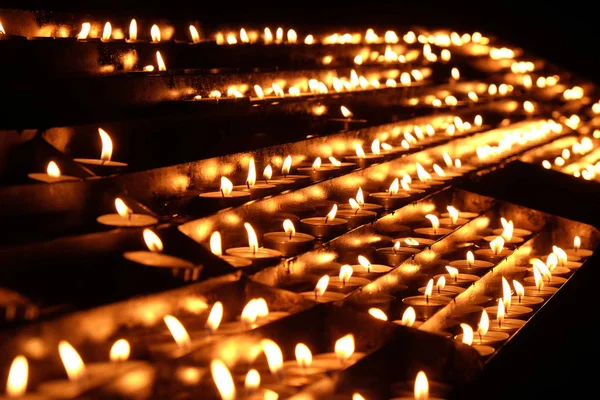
360 199
216 248
539 290
565 260
103 166
453 218
392 199
344 355
362 159
318 172
289 242
52 175
254 314
280 183
365 268
421 389
470 264
416 243
343 166
225 197
345 282
456 278
325 227
302 365
552 264
503 324
257 190
484 336
426 305
223 380
397 253
259 256
426 181
467 338
442 175
356 216
515 231
510 310
409 318
435 230
577 250
16 384
125 217
285 171
320 294
521 299
442 290
153 257
549 279
461 214
496 252
507 234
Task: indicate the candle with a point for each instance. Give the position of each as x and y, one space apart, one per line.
462 214
563 258
470 263
539 290
521 299
345 282
52 175
457 279
502 324
284 184
343 166
421 391
486 337
510 310
360 199
320 295
577 250
545 272
154 257
365 268
391 199
319 172
453 218
496 252
425 179
103 166
364 160
223 379
406 183
417 243
18 375
344 355
515 231
467 338
507 233
442 290
254 314
426 305
396 254
301 367
356 216
442 175
259 256
217 249
289 242
552 264
226 197
409 318
257 190
325 227
435 230
125 217
285 171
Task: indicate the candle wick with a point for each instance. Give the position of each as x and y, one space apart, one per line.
222 193
500 323
266 181
129 215
248 184
356 212
480 338
290 235
326 219
520 298
316 295
439 290
344 282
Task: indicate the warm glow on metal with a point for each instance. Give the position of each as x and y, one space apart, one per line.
16 384
252 239
467 334
160 62
409 316
214 317
273 354
344 347
71 360
435 222
345 112
120 351
321 285
223 380
497 245
194 33
155 33
421 387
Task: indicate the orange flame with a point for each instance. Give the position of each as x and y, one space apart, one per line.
178 331
421 387
321 285
378 313
506 293
155 33
409 316
71 360
287 165
120 351
194 33
214 317
497 245
160 62
303 355
344 347
223 379
16 385
53 170
331 215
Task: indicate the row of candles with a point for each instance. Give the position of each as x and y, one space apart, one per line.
581 159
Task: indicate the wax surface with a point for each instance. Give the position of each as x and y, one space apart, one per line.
50 179
513 240
448 222
237 262
100 163
136 220
477 264
514 311
433 232
463 214
508 325
152 259
326 297
373 269
516 232
491 338
247 252
353 282
461 279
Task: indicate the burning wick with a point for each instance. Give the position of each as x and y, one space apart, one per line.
428 290
331 214
288 227
365 263
345 274
321 286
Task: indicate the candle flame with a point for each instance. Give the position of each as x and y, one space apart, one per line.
354 204
53 170
484 324
359 151
551 261
457 163
252 381
360 198
292 36
376 146
194 34
364 261
577 242
344 347
537 276
268 37
155 33
214 317
316 164
447 160
506 293
455 74
453 272
378 313
411 241
251 180
441 284
321 285
287 165
335 162
107 32
133 30
309 39
250 312
394 187
252 239
259 92
429 289
122 208
289 228
331 215
279 35
528 107
467 334
409 316
178 331
120 351
478 120
435 222
268 172
345 112
107 146
16 385
71 360
160 62
507 232
396 246
541 266
273 354
85 31
497 245
453 212
470 258
303 355
277 90
519 289
438 170
152 241
223 379
226 186
560 253
421 387
423 175
244 36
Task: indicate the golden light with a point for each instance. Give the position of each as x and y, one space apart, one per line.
214 94
354 205
259 92
541 267
439 170
106 32
576 243
120 351
506 293
539 280
409 316
357 396
390 82
178 331
435 222
194 34
331 215
551 261
467 334
421 387
376 146
160 62
528 107
546 164
252 239
71 360
423 175
321 285
214 317
453 212
133 30
16 385
85 31
484 324
268 172
287 165
107 146
244 36
277 90
519 289
561 254
429 289
250 312
405 144
252 381
292 36
497 245
447 160
411 242
268 36
122 208
335 162
345 112
223 379
251 180
453 272
155 33
360 198
309 39
53 170
394 187
492 90
152 241
316 165
500 313
344 347
405 79
470 258
273 354
507 232
360 153
226 186
303 355
279 35
378 313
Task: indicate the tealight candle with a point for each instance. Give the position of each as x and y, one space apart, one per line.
325 227
462 214
52 175
289 242
284 184
226 197
541 271
18 375
217 249
577 250
453 219
552 264
285 171
391 199
154 257
396 254
343 166
345 282
409 318
484 336
471 264
319 172
442 290
435 230
320 294
502 324
425 179
564 260
362 159
509 226
259 256
513 311
356 216
496 252
417 243
103 166
467 338
125 217
421 389
456 279
360 199
365 268
300 371
426 305
257 190
442 175
344 355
